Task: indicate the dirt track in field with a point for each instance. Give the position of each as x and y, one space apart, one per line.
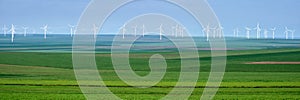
271 62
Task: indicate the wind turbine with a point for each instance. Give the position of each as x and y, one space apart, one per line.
176 30
135 30
173 30
266 33
72 31
206 30
12 30
273 32
214 32
182 31
179 30
257 31
220 31
292 31
161 31
286 32
234 32
143 30
237 31
248 32
45 28
95 30
123 30
25 31
4 30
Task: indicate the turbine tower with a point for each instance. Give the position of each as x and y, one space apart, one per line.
214 32
266 33
45 28
123 30
161 31
12 30
220 31
143 30
135 30
206 31
179 30
286 32
4 30
173 32
273 32
72 31
95 30
257 31
176 30
293 31
237 31
182 31
248 32
234 32
25 31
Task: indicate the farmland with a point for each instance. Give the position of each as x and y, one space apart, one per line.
42 75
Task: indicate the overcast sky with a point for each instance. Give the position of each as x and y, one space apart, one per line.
231 13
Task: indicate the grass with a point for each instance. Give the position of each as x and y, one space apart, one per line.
50 76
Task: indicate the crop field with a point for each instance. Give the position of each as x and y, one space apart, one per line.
44 75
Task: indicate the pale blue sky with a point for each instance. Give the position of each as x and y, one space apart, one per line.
232 13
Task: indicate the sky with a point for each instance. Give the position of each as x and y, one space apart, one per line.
57 14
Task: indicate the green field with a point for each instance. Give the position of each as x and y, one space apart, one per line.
34 75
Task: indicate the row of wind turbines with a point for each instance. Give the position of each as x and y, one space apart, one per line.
177 31
265 32
45 30
13 31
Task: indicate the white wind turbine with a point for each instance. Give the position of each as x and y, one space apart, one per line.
45 28
203 31
237 31
176 30
135 30
292 31
4 30
206 30
72 31
234 32
95 30
25 31
183 29
180 30
266 33
12 30
173 30
220 31
143 30
286 32
123 30
161 31
214 32
248 32
257 31
273 32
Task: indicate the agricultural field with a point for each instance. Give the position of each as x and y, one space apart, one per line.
50 75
